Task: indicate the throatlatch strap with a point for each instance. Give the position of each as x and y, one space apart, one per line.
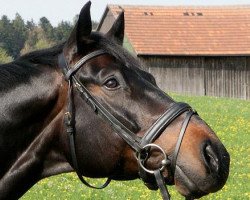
69 119
70 128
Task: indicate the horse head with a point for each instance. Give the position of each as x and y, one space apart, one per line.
115 79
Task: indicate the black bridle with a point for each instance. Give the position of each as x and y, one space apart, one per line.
142 146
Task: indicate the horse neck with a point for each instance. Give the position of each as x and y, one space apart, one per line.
28 109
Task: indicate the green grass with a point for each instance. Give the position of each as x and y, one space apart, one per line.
230 119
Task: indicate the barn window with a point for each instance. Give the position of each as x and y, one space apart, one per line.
149 13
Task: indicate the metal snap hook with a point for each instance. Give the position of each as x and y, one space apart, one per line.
141 156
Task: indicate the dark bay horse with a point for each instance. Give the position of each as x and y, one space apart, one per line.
86 106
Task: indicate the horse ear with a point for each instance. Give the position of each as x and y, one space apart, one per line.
82 30
117 30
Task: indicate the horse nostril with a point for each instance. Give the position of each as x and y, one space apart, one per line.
211 158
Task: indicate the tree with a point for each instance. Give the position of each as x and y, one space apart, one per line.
12 35
19 35
45 24
62 31
4 57
30 25
6 34
37 39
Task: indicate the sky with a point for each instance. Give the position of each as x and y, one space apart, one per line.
58 10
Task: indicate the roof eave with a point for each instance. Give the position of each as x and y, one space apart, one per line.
193 55
102 18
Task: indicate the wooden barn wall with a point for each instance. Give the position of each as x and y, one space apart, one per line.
212 76
182 75
227 77
248 78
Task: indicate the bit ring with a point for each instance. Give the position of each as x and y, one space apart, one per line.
164 162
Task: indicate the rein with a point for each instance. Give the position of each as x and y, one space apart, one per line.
142 146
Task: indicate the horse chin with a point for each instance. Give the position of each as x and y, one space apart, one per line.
186 186
152 185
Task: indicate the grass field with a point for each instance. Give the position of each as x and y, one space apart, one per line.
231 121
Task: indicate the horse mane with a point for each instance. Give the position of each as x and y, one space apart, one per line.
43 56
26 66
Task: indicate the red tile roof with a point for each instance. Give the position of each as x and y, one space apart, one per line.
158 30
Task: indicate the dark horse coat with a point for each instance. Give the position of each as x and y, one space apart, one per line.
33 100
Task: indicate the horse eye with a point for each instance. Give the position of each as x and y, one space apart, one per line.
111 83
